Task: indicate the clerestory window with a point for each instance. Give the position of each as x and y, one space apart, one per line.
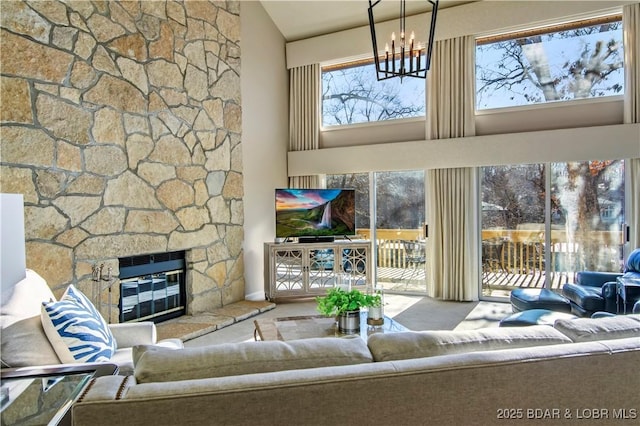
575 60
352 94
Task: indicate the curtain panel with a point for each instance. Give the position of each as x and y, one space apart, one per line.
631 26
453 240
304 116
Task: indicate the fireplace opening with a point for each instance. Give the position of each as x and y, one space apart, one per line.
152 287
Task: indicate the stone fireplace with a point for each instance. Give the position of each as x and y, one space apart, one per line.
121 128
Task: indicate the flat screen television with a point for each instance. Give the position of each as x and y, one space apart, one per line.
315 212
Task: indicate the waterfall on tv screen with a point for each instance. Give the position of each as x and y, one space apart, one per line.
326 216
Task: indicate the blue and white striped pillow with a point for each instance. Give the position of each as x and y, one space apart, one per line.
76 330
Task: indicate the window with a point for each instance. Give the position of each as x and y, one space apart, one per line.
575 60
543 223
352 94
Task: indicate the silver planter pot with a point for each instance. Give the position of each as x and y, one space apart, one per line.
349 322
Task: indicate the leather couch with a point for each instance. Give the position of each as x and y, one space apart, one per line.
596 291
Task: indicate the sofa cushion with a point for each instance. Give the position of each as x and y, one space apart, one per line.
523 299
23 341
25 344
158 364
587 297
76 330
420 344
534 317
25 299
605 328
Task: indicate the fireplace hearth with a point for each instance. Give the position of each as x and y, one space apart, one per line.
152 287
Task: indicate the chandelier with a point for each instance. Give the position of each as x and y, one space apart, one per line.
405 57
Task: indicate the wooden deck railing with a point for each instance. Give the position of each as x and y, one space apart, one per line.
509 250
392 251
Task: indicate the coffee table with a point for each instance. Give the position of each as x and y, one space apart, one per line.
309 326
44 395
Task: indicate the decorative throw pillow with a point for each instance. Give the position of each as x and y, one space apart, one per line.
76 330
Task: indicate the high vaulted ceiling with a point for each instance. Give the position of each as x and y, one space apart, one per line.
299 19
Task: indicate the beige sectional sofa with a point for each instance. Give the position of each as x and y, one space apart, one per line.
583 371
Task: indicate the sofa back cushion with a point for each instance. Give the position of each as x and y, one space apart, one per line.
420 344
23 341
595 278
24 344
25 299
605 328
158 364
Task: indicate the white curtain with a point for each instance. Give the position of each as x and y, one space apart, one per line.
631 26
304 116
453 200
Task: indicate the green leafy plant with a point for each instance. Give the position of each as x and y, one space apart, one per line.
338 301
373 300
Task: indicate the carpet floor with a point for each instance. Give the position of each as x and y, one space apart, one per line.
414 312
432 314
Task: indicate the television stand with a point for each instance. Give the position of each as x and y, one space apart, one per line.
308 240
295 270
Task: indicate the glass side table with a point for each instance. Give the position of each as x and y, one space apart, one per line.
627 291
43 396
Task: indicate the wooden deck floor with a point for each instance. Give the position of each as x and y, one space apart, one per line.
498 283
405 280
531 280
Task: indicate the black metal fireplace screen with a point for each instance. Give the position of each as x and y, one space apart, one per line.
152 287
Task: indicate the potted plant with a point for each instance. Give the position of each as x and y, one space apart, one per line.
375 314
345 306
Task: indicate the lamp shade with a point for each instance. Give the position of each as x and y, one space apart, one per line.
12 251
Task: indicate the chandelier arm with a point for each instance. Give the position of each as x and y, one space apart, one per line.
432 32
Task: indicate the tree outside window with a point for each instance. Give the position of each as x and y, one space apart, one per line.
573 61
351 94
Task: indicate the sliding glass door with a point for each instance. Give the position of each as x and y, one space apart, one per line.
399 227
513 228
390 211
542 223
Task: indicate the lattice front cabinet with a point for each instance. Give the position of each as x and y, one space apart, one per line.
301 270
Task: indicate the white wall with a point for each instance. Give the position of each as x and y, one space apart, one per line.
478 18
562 132
265 112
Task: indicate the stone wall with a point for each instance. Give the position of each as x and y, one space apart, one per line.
121 127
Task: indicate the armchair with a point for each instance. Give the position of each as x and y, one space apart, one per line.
596 291
24 343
